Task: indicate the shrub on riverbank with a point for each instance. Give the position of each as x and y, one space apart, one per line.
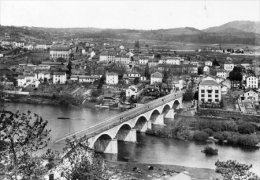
230 168
200 136
172 130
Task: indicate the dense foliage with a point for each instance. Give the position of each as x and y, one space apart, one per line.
200 136
235 133
21 135
232 169
210 151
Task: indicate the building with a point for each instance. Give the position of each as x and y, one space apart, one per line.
208 63
209 90
170 60
251 82
41 46
206 70
156 77
60 52
152 62
19 43
111 78
21 81
143 59
44 74
59 77
108 56
134 75
194 62
229 66
122 59
84 79
134 91
25 80
222 73
250 95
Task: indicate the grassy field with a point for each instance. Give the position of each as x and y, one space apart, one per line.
33 57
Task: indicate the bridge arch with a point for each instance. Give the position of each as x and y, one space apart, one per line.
101 142
155 113
140 123
123 131
166 108
176 104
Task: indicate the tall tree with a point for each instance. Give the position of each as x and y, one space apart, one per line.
137 44
235 75
147 72
136 80
21 134
69 66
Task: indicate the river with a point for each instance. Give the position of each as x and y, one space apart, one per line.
149 149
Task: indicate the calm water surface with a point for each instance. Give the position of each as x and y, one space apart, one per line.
149 149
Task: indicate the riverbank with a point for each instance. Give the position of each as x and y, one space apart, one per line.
142 171
231 132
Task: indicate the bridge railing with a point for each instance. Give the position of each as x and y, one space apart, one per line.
124 116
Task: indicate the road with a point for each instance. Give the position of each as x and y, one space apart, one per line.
122 117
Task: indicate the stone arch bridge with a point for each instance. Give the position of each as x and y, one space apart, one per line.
103 137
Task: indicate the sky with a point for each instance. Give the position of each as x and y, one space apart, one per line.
127 14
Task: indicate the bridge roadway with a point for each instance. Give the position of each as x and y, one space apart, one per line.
120 118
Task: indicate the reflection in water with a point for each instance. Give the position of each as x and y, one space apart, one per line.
150 149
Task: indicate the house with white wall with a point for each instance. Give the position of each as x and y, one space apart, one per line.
156 77
250 95
229 66
208 63
134 90
222 73
251 82
59 77
209 90
111 78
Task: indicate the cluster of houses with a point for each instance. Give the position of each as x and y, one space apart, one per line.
182 69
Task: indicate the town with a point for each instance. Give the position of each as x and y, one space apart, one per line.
109 73
129 91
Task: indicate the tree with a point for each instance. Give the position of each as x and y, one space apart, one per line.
137 44
230 169
69 66
101 82
235 75
81 163
165 76
246 128
188 95
136 80
200 136
147 72
21 135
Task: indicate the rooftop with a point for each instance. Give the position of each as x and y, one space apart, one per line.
60 48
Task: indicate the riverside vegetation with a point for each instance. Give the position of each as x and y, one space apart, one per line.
232 132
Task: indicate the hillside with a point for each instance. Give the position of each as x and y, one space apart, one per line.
238 26
236 32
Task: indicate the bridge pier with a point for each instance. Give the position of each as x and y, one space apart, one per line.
170 114
159 119
148 125
127 135
112 147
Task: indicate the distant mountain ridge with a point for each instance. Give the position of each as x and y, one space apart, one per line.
242 26
235 32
